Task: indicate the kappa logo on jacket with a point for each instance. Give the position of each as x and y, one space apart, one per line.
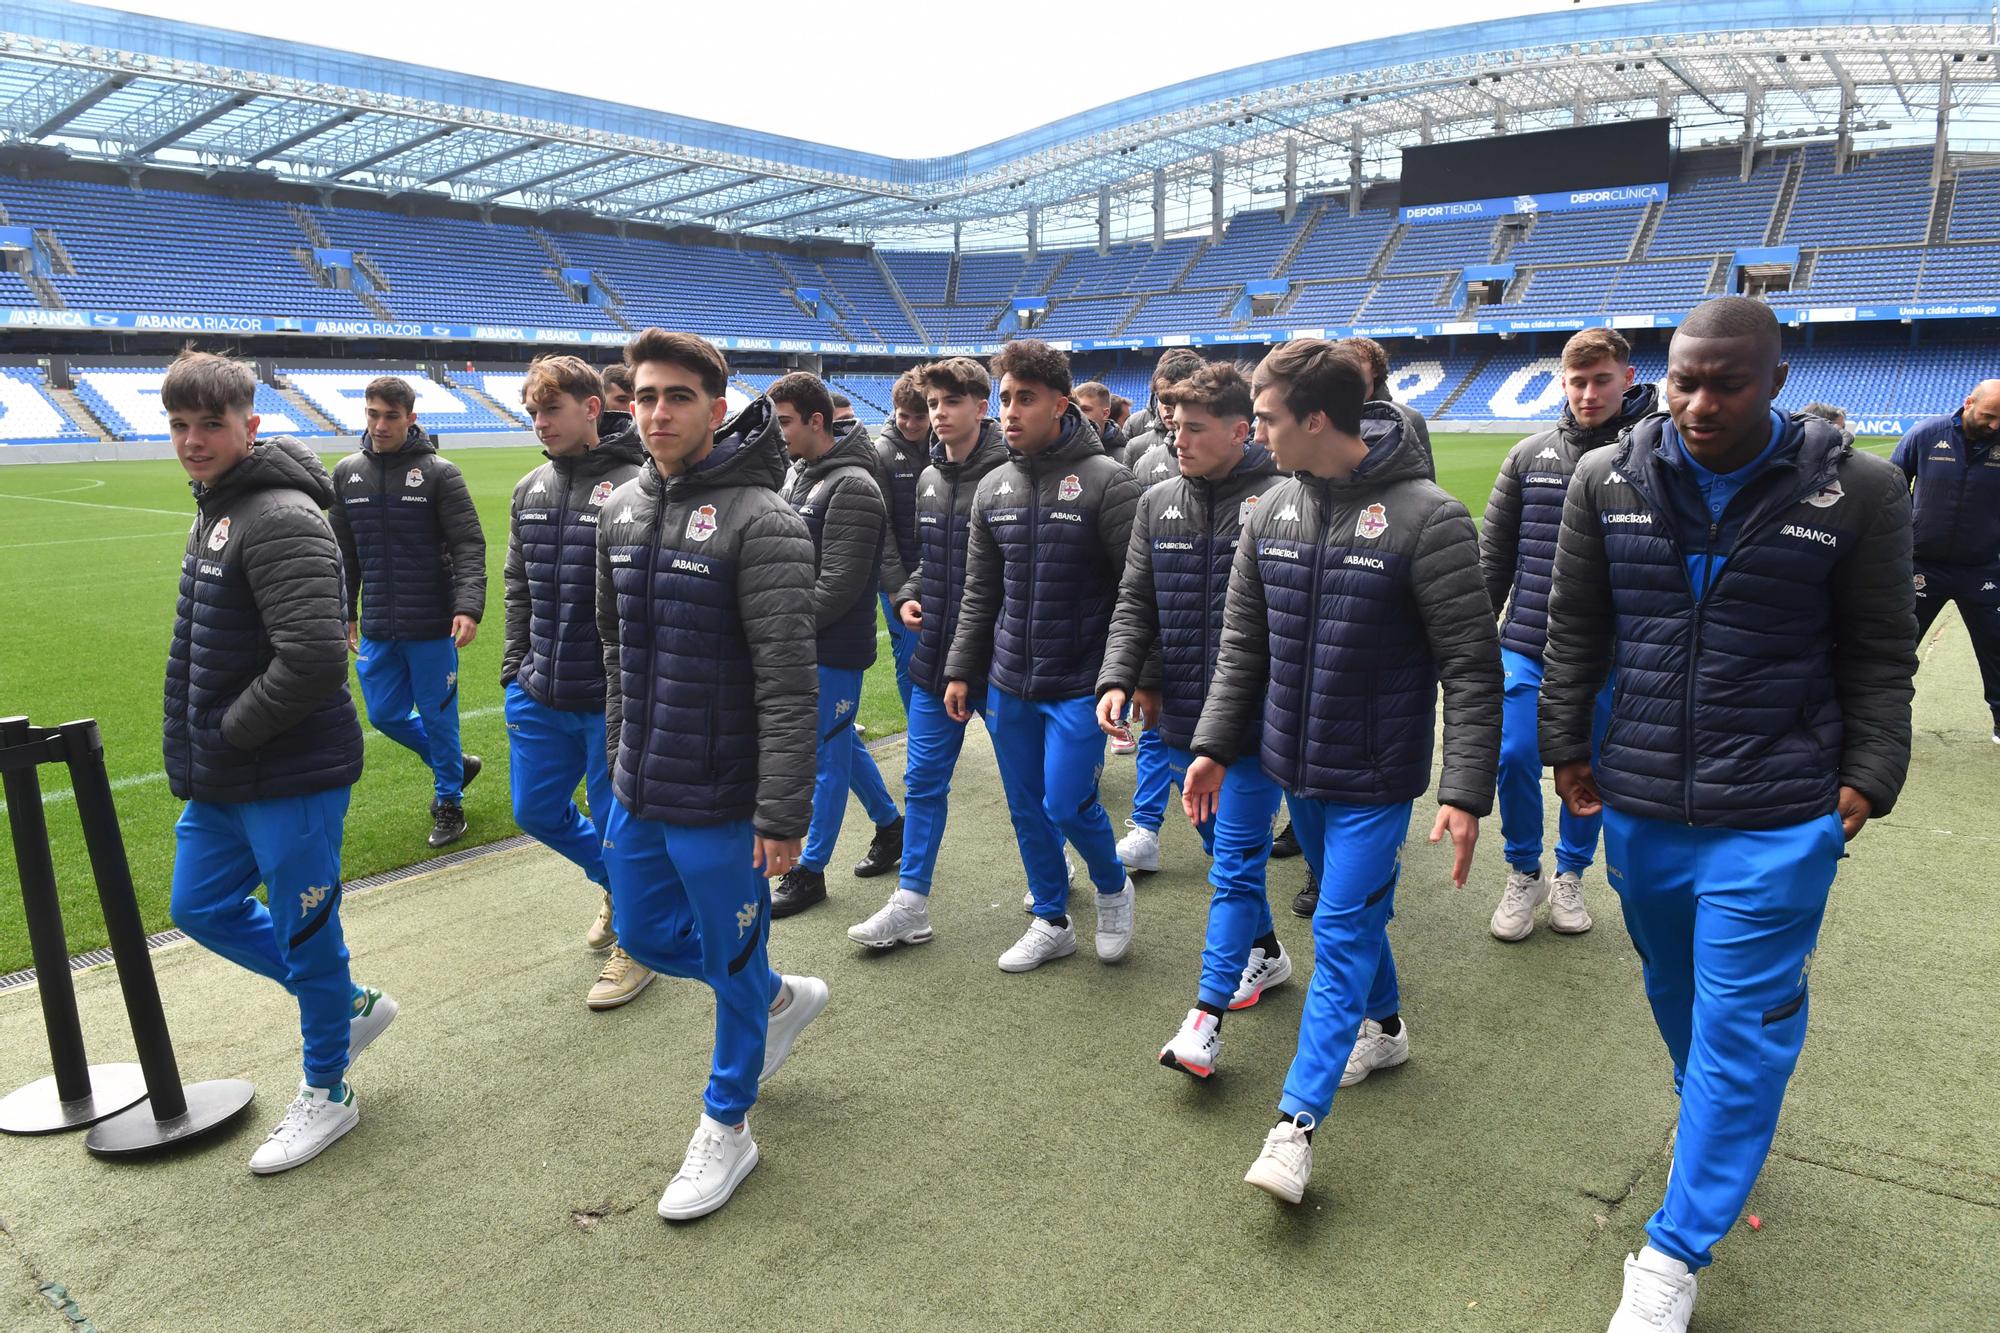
354 479
625 515
701 523
1159 469
541 485
1173 511
930 491
1004 488
1374 521
413 478
219 535
1548 451
601 492
1289 514
1069 488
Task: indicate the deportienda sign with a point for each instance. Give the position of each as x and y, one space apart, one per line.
1616 196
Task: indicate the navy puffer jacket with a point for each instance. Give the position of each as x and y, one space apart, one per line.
1517 540
550 576
256 701
1167 629
410 539
840 497
705 609
1790 678
1349 602
1048 544
1957 499
944 521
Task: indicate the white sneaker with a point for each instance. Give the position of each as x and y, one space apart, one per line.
1139 849
1125 742
1285 1166
1042 942
718 1158
1375 1049
898 922
377 1011
1114 923
1259 975
1195 1047
1659 1294
1567 914
1514 918
1069 869
808 996
310 1126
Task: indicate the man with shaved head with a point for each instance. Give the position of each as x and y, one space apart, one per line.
1955 469
1747 573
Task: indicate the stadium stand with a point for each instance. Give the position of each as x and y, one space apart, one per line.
28 415
338 395
127 400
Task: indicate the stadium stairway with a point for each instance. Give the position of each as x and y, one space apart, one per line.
477 393
302 405
76 410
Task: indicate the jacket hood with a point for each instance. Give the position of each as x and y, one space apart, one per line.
853 449
617 445
749 451
416 442
989 452
1077 442
1641 400
277 464
1813 446
1256 462
1394 451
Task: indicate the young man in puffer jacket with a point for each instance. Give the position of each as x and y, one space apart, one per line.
1354 596
1050 532
902 452
260 735
416 588
1164 639
965 447
1747 576
835 489
1517 553
704 608
552 668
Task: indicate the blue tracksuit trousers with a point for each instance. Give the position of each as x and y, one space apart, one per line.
411 689
686 902
1051 755
551 751
1154 777
1239 840
290 845
902 643
932 748
1355 850
1520 788
841 763
1725 922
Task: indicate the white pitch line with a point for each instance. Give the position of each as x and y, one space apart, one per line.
77 541
64 795
97 504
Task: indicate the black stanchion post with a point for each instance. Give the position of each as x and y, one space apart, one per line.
173 1114
76 1095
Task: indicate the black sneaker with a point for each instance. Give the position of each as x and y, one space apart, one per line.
447 823
1286 844
1308 900
473 763
799 889
885 853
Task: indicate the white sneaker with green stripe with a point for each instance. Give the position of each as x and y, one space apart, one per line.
374 1010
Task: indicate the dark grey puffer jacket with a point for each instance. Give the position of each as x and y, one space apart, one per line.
1752 705
936 584
705 609
839 495
899 462
1047 548
550 575
410 538
1517 539
1348 603
1137 447
256 700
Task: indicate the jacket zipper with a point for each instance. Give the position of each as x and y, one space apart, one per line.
1028 609
652 677
946 618
562 523
1207 593
1312 634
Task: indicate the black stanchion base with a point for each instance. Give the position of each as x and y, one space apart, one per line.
209 1106
39 1108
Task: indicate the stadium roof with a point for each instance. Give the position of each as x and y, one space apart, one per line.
151 92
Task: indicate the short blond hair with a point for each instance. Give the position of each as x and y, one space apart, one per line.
1590 346
551 376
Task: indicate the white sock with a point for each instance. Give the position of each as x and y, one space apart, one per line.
911 898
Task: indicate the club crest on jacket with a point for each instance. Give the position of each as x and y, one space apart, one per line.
600 493
1069 488
1826 496
1374 521
701 523
219 534
413 478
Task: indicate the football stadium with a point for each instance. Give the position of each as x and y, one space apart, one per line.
1579 419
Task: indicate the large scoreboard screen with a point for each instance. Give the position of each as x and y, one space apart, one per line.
1587 166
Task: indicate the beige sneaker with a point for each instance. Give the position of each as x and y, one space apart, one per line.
601 935
620 982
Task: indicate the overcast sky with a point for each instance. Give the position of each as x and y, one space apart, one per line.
903 77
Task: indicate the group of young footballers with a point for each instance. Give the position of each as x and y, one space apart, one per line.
1703 618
